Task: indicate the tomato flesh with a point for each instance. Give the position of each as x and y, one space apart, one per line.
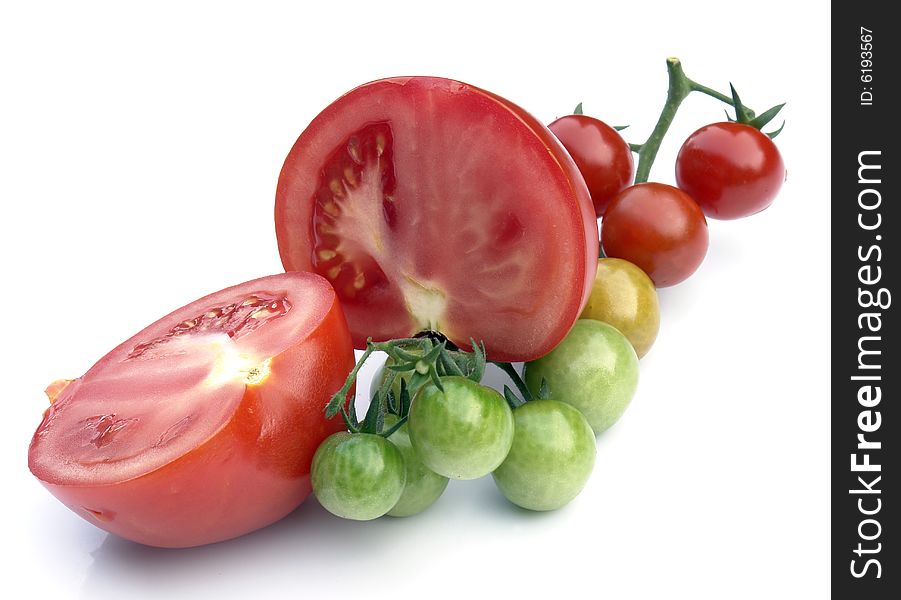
202 426
433 205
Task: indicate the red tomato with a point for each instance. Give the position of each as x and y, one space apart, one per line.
657 227
433 205
201 427
730 169
602 155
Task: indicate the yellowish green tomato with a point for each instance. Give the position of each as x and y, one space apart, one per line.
357 475
551 458
594 369
423 486
625 297
464 432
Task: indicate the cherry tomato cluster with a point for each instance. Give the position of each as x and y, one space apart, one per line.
401 211
539 450
540 447
724 170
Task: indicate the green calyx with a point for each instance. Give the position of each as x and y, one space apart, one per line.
680 87
746 116
415 361
526 394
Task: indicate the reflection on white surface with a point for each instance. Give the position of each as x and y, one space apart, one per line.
311 544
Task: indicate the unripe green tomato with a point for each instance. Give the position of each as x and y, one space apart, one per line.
464 432
357 476
423 486
594 369
551 458
625 297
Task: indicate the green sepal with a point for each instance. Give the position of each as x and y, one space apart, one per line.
349 420
578 109
375 416
511 398
405 399
741 114
391 400
448 366
403 356
433 375
761 120
403 367
387 433
620 127
544 393
479 361
417 380
773 134
432 355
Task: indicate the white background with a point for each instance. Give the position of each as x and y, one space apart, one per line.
139 150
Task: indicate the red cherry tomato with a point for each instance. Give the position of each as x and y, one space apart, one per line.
203 426
730 169
433 205
602 155
657 227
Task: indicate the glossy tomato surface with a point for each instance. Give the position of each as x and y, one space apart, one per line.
602 155
731 170
594 369
551 458
433 205
201 427
625 297
658 228
358 476
463 432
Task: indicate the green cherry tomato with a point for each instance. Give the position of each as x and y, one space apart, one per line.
357 476
551 458
625 297
423 485
463 432
594 369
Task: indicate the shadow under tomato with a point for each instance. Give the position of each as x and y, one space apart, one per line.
312 543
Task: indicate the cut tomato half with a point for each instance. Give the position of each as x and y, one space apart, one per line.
202 426
430 204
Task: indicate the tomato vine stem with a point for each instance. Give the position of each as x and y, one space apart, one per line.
416 362
680 86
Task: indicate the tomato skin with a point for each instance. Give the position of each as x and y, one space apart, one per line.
251 472
625 297
551 458
464 432
594 369
732 170
509 211
358 476
423 486
602 155
659 228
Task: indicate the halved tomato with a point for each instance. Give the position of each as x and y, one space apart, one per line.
433 205
203 426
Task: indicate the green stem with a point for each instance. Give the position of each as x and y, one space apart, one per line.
678 90
680 86
516 379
